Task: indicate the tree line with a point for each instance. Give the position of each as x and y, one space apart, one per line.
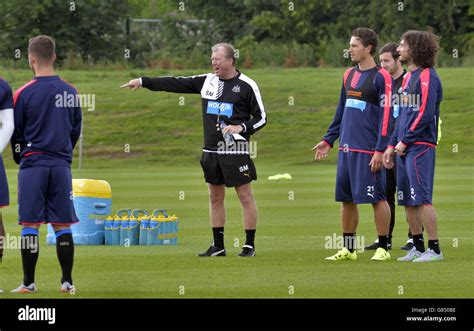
179 34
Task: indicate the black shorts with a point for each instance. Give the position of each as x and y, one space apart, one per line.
229 169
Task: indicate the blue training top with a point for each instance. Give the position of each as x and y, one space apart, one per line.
362 120
48 122
418 122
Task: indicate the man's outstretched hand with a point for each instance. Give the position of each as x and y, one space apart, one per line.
133 84
322 150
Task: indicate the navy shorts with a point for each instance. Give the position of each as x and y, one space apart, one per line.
415 175
4 197
355 182
45 196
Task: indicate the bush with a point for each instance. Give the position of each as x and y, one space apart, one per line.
263 54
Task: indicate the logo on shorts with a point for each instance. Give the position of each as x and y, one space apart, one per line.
244 168
371 191
236 89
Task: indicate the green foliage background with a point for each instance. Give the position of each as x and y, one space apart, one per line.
266 32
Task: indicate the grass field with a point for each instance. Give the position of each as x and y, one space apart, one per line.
290 243
161 132
291 233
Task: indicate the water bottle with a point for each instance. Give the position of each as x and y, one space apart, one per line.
229 139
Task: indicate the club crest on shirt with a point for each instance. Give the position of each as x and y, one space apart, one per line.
236 89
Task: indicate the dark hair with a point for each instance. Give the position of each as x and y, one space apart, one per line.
422 47
367 37
390 48
43 47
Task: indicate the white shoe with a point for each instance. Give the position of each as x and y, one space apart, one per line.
67 287
430 256
411 255
25 289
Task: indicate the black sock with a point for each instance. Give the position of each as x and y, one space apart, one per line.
419 242
250 237
434 245
218 234
65 252
410 235
29 254
349 241
383 241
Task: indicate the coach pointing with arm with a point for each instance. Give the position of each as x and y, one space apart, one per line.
231 105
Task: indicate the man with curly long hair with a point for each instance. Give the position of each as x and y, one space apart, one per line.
414 141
